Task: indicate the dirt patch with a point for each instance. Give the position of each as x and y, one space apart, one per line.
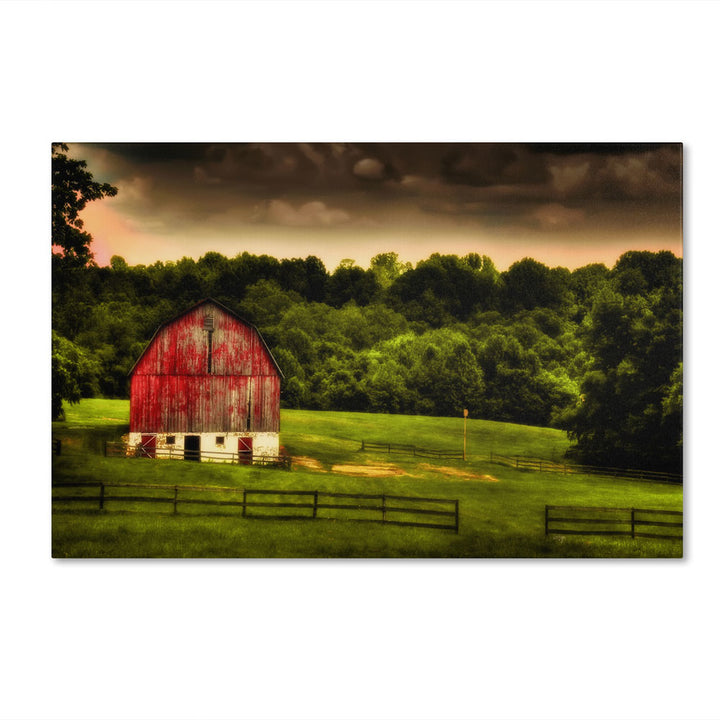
308 463
454 472
368 470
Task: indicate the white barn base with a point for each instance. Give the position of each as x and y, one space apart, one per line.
214 447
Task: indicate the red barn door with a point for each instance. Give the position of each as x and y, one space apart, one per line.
147 446
245 450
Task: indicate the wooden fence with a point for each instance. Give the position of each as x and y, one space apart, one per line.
366 445
540 465
294 504
527 463
628 522
119 449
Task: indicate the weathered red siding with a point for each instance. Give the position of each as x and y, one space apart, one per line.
172 391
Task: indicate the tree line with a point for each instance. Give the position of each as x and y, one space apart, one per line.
596 351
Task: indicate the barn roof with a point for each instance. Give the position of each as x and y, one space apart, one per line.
222 307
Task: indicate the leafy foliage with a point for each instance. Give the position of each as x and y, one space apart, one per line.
73 188
630 412
74 374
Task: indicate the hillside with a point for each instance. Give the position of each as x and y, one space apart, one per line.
501 508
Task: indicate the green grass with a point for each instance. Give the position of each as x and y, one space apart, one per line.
89 423
497 519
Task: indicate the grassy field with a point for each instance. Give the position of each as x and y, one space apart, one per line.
501 509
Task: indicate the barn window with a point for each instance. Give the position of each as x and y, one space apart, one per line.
220 440
170 440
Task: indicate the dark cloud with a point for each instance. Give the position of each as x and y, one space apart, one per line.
539 185
157 152
484 165
597 148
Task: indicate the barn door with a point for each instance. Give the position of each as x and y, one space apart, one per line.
245 450
147 446
192 448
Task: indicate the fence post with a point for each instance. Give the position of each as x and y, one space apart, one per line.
102 495
457 517
546 521
106 448
517 463
632 521
175 501
315 503
362 447
383 507
244 512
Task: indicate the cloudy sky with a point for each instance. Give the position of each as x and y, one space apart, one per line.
563 204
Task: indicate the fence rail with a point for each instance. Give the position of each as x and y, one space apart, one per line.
527 463
611 521
541 465
406 510
366 445
119 449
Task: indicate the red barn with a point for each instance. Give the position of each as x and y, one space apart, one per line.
206 386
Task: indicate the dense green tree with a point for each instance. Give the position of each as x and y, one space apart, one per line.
585 283
265 303
629 414
528 284
74 374
388 268
445 288
435 373
351 282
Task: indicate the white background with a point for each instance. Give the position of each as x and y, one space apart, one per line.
340 639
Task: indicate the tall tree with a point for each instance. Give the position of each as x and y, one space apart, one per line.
73 188
630 412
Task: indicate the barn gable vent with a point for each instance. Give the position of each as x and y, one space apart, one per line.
209 327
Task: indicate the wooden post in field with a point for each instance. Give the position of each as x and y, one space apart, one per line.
465 414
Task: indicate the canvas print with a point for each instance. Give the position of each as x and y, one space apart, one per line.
367 350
